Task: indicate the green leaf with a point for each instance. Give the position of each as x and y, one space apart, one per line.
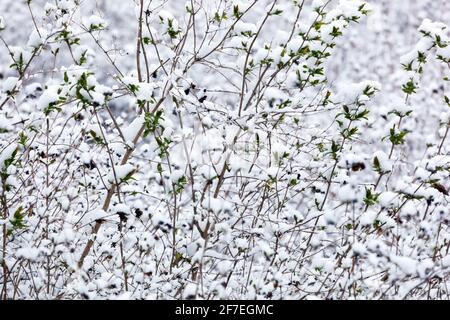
152 122
377 165
409 87
397 138
22 138
17 221
371 198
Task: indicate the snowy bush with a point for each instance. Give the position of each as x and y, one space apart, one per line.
198 150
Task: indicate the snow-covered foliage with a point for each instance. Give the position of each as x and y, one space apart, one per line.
224 149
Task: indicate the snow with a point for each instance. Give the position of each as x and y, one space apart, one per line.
446 261
133 128
190 291
295 44
122 208
318 3
383 160
292 174
2 23
406 264
388 199
358 249
368 218
93 216
165 15
213 204
434 28
243 27
10 84
409 210
83 51
350 8
350 93
6 154
48 97
5 124
130 80
36 39
120 172
278 55
98 98
348 193
95 21
28 253
145 91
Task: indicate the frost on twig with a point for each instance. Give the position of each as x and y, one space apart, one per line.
223 150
